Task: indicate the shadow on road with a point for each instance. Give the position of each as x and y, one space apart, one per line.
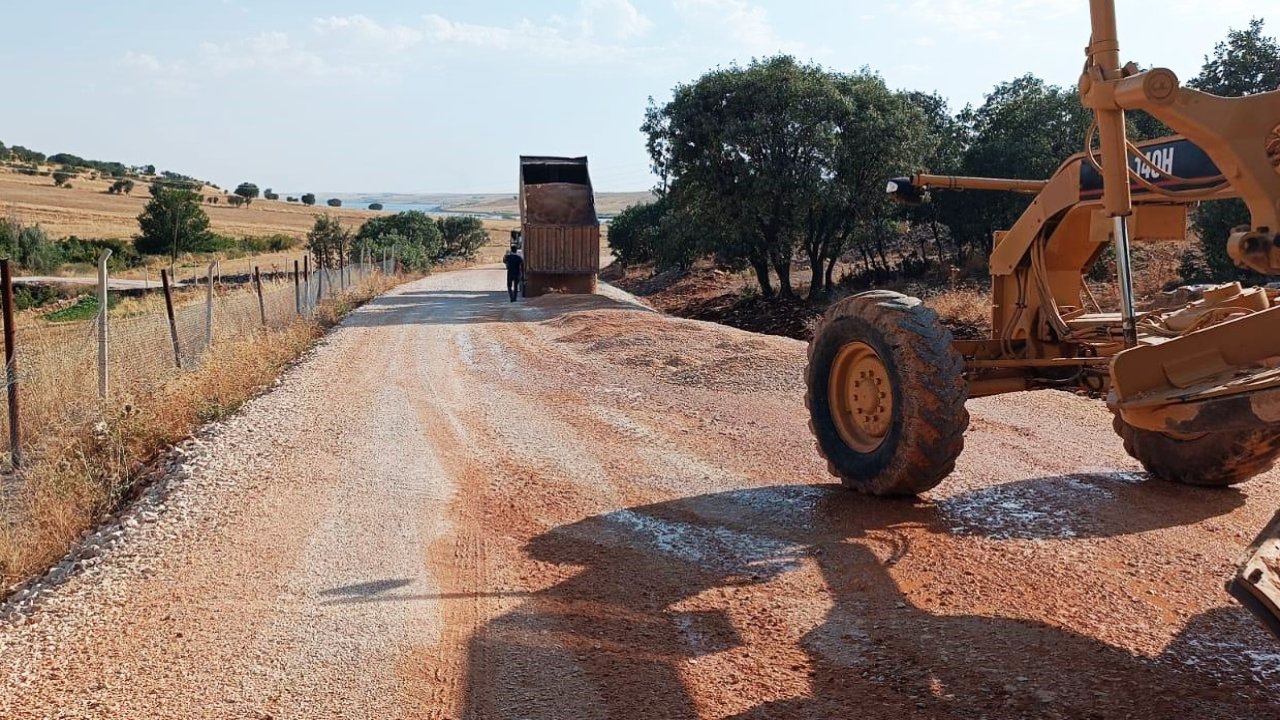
461 307
614 641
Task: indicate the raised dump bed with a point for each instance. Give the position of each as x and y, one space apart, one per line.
559 226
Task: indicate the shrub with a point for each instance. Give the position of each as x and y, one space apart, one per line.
86 251
270 194
235 200
29 246
268 243
334 202
462 236
60 177
375 206
309 199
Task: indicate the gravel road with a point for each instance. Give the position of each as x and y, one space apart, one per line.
457 507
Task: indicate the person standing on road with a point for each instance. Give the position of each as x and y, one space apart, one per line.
515 271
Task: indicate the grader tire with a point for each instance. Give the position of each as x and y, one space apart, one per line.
1215 459
907 441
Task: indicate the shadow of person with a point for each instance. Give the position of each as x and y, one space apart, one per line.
608 640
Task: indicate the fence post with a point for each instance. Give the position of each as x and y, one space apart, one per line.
208 309
297 290
342 273
102 323
257 284
173 323
319 284
11 364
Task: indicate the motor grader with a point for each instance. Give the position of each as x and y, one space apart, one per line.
1195 391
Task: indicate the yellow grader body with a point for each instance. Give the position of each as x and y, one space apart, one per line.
1195 391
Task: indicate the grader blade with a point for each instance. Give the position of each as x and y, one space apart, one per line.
1257 585
1225 377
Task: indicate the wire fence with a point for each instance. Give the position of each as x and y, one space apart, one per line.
66 374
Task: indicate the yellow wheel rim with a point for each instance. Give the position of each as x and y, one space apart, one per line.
860 395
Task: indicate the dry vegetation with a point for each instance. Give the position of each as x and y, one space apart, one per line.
83 465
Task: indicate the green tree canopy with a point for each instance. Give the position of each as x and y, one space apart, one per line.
411 234
743 143
461 236
248 191
172 222
328 241
309 199
1246 63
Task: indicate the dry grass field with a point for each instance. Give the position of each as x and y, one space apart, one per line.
88 211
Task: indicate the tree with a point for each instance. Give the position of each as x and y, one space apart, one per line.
743 144
1246 63
334 202
248 191
1025 129
328 241
375 206
412 235
309 199
269 194
462 236
875 133
236 200
4 152
172 222
121 186
60 177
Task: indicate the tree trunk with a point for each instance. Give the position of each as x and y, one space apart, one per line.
783 269
816 284
830 272
762 276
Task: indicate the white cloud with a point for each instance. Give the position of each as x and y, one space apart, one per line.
988 19
617 19
745 23
264 52
570 42
141 61
359 30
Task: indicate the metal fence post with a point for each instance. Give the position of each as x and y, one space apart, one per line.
11 365
173 323
208 309
257 285
102 323
297 290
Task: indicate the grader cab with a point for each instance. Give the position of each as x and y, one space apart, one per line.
1195 391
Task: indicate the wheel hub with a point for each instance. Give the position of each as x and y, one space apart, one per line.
861 397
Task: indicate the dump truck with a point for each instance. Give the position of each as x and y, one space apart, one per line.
560 231
1194 391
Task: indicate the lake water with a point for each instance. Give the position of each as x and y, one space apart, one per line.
436 210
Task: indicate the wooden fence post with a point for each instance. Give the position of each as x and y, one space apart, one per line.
173 323
297 290
11 364
257 283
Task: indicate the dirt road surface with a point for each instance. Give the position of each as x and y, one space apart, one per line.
457 507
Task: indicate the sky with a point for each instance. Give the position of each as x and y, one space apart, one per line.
404 96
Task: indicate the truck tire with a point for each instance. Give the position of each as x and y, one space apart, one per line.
1215 459
886 394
